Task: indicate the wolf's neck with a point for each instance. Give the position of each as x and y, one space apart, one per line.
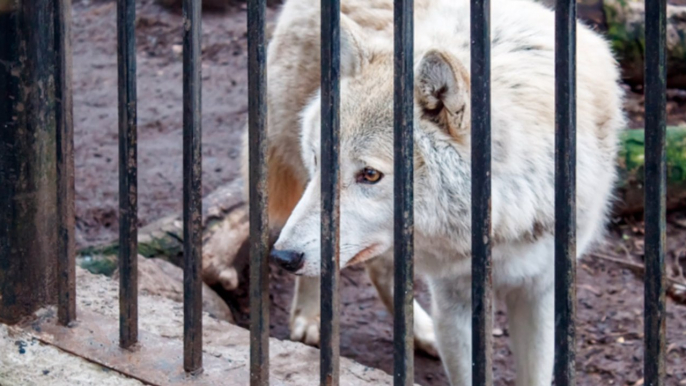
443 190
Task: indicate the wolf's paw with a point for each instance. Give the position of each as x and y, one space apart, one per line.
424 334
426 341
305 329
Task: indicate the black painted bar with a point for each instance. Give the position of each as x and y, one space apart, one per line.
565 191
66 249
655 190
128 174
259 222
330 82
482 291
403 342
192 189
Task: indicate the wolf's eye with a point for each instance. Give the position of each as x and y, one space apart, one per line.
369 176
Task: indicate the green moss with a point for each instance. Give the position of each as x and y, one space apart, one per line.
631 157
99 265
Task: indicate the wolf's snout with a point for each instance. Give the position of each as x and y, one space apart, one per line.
291 261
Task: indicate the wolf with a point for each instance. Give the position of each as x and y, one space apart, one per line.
522 174
293 70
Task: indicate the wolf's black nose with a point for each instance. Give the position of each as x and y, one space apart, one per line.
291 261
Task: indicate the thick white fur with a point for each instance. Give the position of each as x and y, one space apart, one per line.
523 129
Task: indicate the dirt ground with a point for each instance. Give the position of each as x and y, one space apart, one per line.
610 298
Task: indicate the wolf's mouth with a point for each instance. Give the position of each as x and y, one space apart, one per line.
363 255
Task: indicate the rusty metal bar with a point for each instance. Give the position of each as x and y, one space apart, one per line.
192 189
9 54
27 158
259 221
403 342
66 249
128 174
330 84
482 291
655 190
565 192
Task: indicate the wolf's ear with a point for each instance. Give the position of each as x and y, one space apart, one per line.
354 52
442 92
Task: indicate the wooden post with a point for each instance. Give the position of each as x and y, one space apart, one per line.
28 227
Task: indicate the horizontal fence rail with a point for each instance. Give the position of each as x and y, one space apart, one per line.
403 100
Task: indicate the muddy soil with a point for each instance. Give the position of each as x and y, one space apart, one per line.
159 65
610 300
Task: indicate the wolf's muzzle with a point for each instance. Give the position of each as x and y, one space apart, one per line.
291 261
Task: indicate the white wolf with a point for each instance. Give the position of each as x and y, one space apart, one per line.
293 68
523 130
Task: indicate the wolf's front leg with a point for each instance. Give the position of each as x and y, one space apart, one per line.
531 317
305 311
452 315
381 273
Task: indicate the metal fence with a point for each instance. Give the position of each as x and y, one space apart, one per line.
23 24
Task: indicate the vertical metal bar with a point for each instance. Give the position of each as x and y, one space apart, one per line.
10 303
655 178
66 264
192 189
27 158
482 291
565 191
403 365
330 82
259 221
128 174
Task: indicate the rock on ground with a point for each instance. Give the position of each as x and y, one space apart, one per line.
158 277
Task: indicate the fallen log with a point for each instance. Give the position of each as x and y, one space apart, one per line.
226 228
162 278
225 233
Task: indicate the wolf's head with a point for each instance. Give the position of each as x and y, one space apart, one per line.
366 148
